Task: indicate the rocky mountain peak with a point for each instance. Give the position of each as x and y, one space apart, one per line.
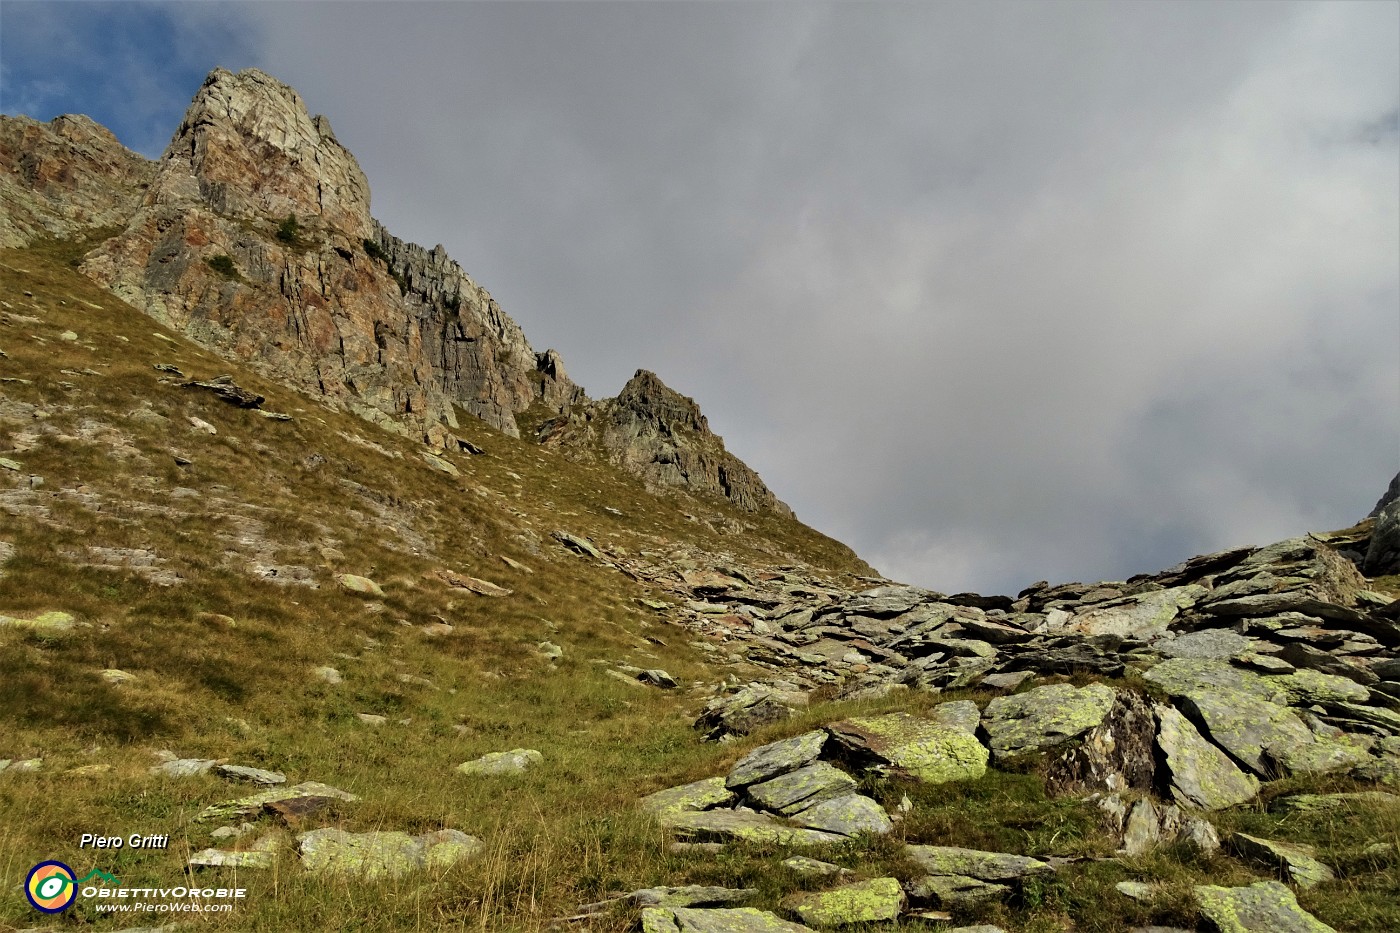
646 398
661 435
256 151
61 178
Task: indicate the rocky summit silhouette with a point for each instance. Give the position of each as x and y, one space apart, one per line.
288 502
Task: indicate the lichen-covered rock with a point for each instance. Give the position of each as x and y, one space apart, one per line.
53 621
1263 907
1246 726
1142 616
1199 774
1298 861
1182 677
741 826
958 714
1320 756
1044 717
909 746
1322 803
748 709
1306 687
1208 643
694 797
874 901
515 761
721 920
377 855
360 586
986 866
247 806
776 758
846 815
800 789
949 890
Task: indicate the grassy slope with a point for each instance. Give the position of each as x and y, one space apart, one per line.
223 661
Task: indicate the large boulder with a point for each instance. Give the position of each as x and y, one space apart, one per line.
1114 756
1044 717
1263 907
909 746
1197 773
768 761
875 901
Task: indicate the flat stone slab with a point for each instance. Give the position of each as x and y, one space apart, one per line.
1306 687
974 863
724 920
875 901
958 714
742 826
1298 861
948 890
1143 616
847 815
184 767
800 789
694 797
1207 643
1201 774
514 761
377 855
1318 757
247 806
250 775
1264 906
1184 677
1245 726
690 895
221 858
1324 803
1044 717
810 866
911 747
768 761
43 622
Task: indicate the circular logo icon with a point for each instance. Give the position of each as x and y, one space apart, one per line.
51 887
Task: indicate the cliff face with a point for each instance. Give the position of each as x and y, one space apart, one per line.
252 234
62 178
255 238
660 435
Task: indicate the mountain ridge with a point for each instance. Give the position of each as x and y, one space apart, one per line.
253 234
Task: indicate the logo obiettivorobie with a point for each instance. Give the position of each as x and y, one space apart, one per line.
51 887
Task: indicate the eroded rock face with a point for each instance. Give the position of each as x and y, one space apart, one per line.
660 435
331 302
63 178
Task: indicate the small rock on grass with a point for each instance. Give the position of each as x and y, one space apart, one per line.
360 586
514 761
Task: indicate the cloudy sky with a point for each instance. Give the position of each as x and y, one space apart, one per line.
993 292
